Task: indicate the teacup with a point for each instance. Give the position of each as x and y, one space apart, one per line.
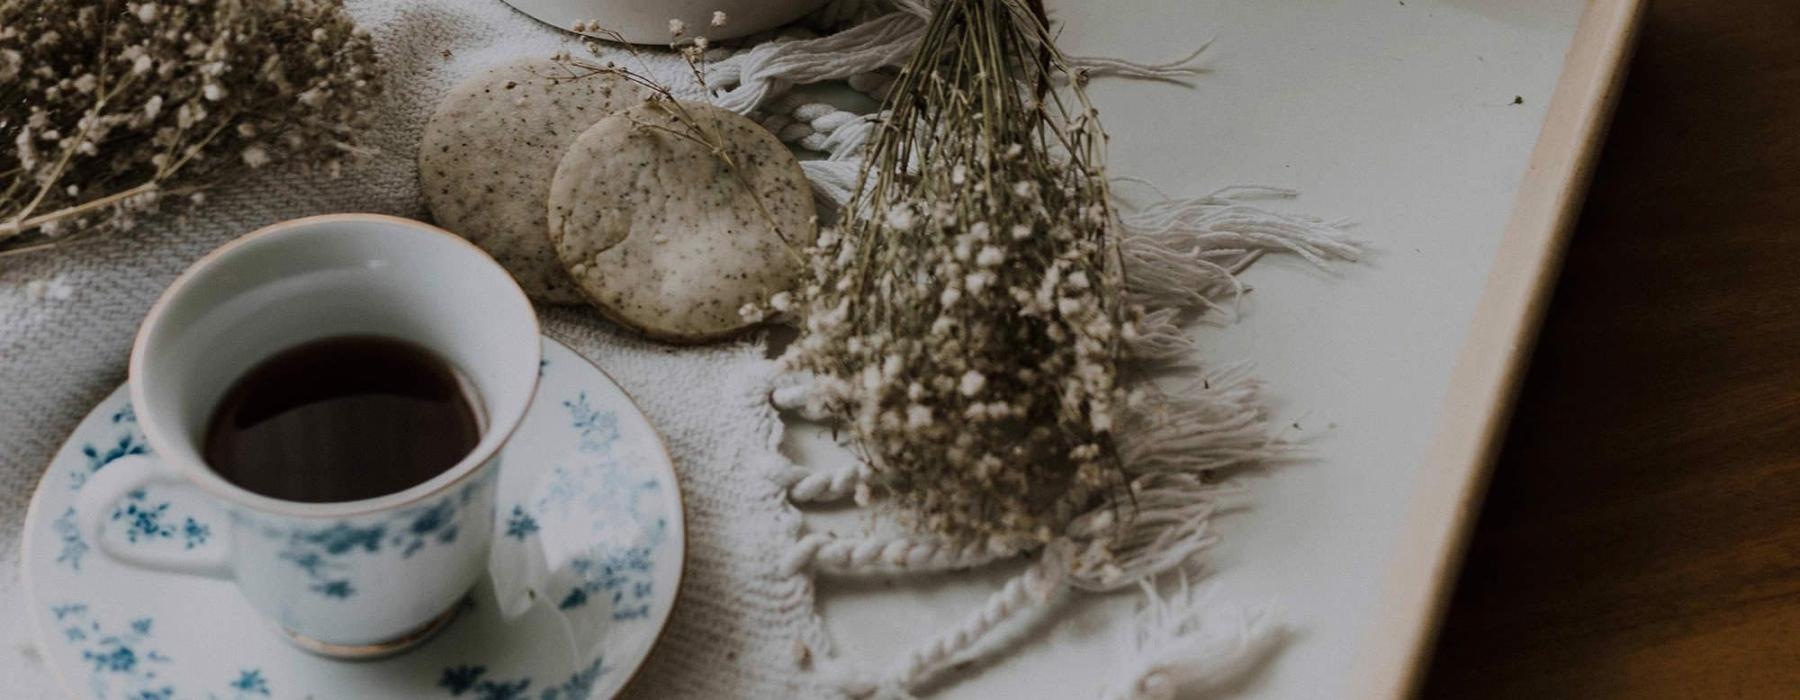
350 579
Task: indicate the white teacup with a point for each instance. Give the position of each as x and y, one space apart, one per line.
349 579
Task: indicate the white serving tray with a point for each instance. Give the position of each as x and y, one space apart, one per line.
1400 369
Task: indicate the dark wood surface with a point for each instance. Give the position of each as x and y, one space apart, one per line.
1641 538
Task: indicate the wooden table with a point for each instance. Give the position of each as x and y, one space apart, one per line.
1641 537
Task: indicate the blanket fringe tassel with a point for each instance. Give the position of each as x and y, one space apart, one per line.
1185 643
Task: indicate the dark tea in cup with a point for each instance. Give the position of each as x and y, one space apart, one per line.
343 419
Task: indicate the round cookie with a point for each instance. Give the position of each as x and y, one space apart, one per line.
488 153
656 230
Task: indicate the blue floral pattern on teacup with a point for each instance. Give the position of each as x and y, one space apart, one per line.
324 554
146 520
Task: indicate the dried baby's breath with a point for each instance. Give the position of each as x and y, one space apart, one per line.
964 318
108 109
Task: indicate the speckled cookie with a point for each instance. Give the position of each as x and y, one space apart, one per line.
488 153
660 236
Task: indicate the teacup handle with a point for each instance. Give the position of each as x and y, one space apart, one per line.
107 487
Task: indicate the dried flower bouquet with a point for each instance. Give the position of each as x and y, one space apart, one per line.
108 109
989 323
965 318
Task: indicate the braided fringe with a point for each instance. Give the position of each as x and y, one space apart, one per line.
799 398
829 554
1034 589
825 485
839 134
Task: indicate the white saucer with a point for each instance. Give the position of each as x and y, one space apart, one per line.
588 558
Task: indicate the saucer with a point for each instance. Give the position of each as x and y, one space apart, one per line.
587 559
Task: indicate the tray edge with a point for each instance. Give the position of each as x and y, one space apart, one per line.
1473 419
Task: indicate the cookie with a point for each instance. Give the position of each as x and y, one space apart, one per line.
489 151
659 234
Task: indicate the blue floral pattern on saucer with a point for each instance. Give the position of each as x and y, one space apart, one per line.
588 500
588 534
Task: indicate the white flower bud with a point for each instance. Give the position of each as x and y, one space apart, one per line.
991 256
918 417
901 218
972 383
